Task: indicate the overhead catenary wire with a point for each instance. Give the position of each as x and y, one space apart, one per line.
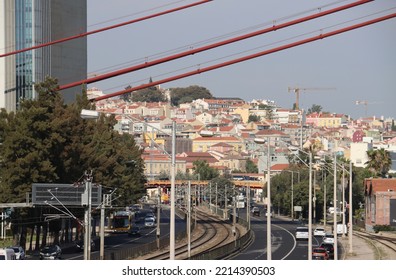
256 55
85 34
212 46
213 39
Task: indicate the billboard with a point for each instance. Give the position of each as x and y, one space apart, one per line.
66 194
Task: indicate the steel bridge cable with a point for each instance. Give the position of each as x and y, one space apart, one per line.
253 49
256 55
213 39
104 28
212 46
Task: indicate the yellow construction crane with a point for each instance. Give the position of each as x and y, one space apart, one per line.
297 91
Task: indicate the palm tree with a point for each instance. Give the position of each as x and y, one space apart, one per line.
379 161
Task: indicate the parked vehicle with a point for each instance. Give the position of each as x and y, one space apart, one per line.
319 231
302 233
7 254
51 252
319 253
329 248
19 252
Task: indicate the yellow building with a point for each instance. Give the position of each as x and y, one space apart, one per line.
203 144
325 120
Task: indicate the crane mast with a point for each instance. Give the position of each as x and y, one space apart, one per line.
297 91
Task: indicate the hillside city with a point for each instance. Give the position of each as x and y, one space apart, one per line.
222 132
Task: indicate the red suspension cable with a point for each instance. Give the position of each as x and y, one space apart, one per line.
259 54
105 28
211 46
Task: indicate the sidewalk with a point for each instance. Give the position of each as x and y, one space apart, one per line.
362 250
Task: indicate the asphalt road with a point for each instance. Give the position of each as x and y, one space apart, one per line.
284 245
118 241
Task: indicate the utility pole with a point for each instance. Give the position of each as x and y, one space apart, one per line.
343 200
87 201
158 217
210 196
172 212
189 220
234 215
324 201
216 199
335 209
248 205
350 210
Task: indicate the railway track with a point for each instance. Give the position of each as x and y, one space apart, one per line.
384 246
211 232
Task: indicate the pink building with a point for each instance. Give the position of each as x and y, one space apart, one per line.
380 203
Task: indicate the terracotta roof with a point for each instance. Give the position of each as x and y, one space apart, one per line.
269 132
219 139
279 167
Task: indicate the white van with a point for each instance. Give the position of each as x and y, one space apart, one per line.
7 254
342 229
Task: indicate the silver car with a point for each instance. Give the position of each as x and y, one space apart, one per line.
19 252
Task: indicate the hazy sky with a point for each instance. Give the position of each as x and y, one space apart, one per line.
360 65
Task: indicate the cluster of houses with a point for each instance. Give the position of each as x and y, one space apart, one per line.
219 131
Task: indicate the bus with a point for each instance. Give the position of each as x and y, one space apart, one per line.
121 221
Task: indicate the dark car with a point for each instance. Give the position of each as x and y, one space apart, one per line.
80 245
134 231
51 252
329 248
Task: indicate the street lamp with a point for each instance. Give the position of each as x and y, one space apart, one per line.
309 200
172 212
262 141
87 196
292 192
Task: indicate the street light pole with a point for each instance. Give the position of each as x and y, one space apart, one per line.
216 199
335 209
262 141
343 200
172 212
248 205
210 196
269 249
158 216
350 209
310 209
87 216
189 220
292 197
102 224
